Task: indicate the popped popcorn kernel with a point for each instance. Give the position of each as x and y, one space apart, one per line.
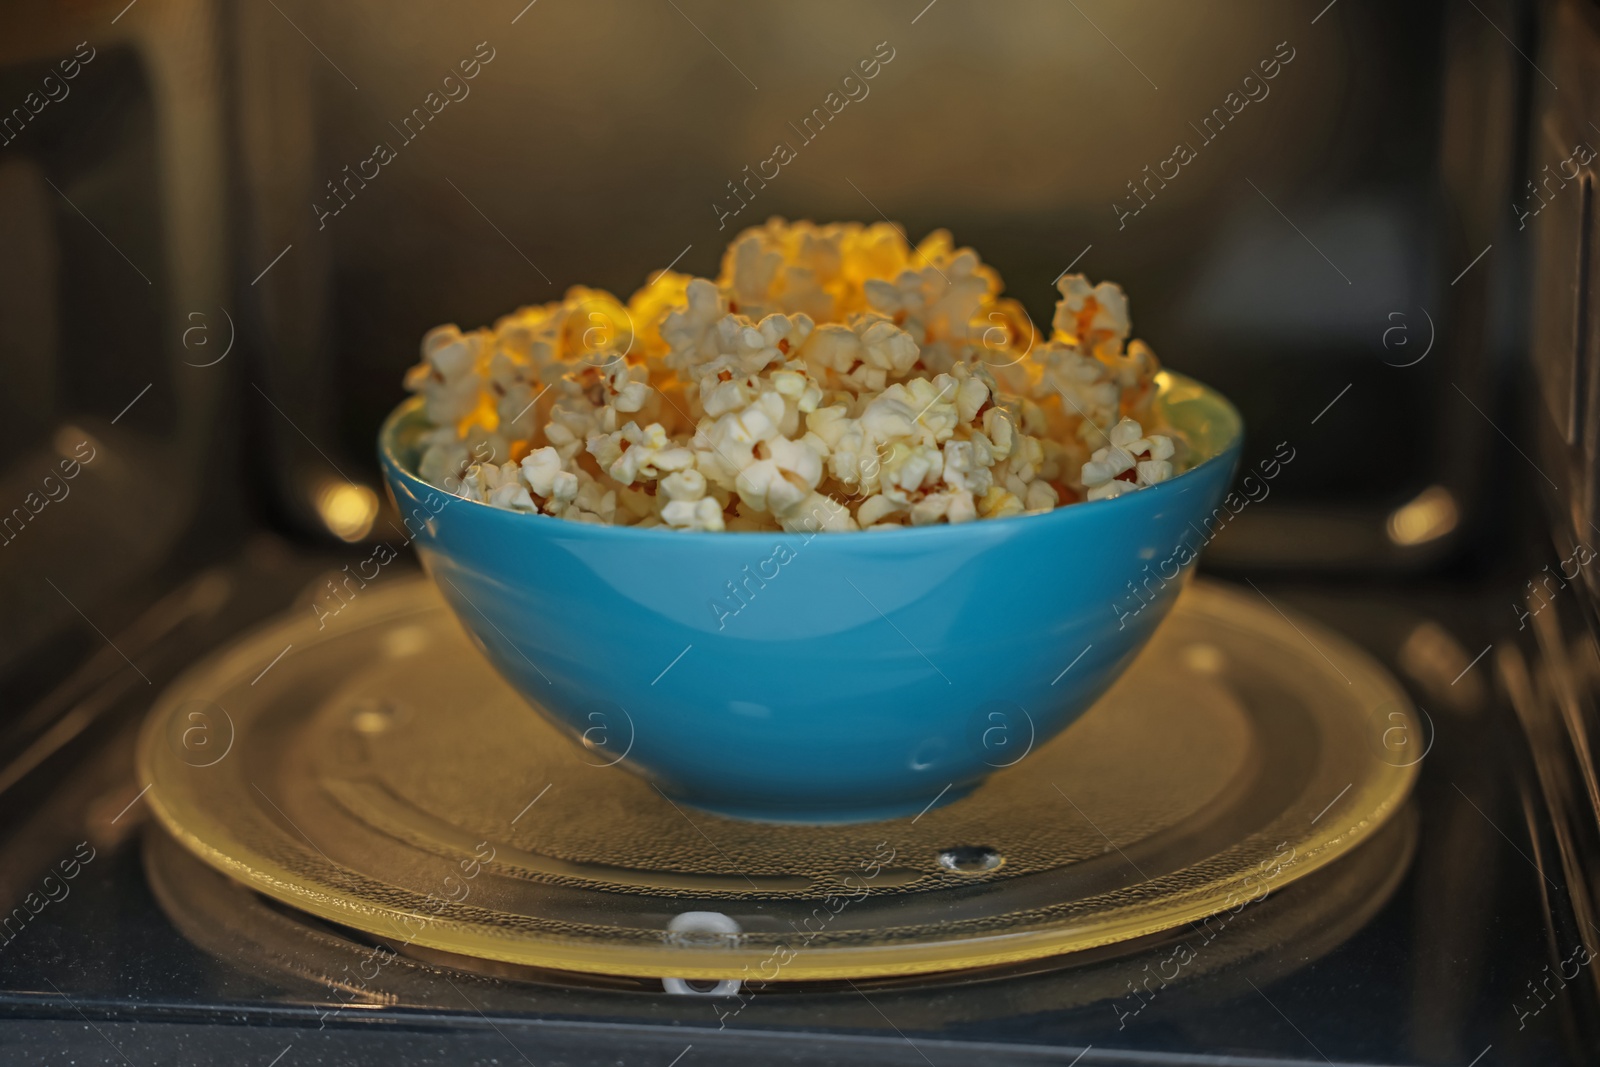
830 378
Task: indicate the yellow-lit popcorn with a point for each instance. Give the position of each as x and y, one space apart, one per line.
831 378
939 300
1093 317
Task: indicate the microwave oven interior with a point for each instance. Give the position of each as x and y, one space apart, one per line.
1383 256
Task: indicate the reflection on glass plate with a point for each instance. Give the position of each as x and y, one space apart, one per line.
399 787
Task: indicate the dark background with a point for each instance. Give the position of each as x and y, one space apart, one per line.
594 146
161 215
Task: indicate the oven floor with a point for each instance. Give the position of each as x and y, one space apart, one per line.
1429 967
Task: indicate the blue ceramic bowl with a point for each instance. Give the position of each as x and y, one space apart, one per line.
819 677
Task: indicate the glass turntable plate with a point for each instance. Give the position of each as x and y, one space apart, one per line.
375 772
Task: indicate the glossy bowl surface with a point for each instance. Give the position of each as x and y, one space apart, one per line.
820 677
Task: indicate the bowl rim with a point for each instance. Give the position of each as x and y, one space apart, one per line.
1226 453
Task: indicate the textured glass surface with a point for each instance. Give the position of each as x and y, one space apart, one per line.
380 775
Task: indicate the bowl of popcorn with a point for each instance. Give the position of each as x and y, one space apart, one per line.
830 537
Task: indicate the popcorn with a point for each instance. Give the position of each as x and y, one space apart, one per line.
1094 318
1103 474
687 486
1107 490
1152 472
539 470
831 378
875 509
1041 496
962 507
512 495
703 514
563 490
